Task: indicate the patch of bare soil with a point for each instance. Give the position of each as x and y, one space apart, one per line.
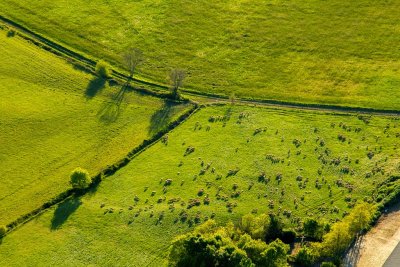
373 248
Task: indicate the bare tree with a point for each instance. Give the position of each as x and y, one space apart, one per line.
133 57
177 76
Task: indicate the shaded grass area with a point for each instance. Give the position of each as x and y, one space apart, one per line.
330 52
51 122
243 159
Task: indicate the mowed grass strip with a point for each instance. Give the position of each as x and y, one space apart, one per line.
222 163
330 52
55 118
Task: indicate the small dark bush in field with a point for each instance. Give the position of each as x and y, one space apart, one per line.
365 119
296 142
189 150
251 184
80 179
236 194
273 158
193 202
168 182
183 216
322 142
335 161
370 154
345 169
3 231
259 130
102 69
262 177
11 33
233 172
206 201
200 192
197 218
164 139
342 138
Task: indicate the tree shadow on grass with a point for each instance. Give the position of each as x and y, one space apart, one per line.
162 117
63 211
111 110
94 87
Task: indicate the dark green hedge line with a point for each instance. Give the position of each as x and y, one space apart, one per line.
89 64
289 104
386 195
108 171
117 78
64 51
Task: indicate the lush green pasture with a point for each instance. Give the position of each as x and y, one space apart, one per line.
147 213
55 118
336 52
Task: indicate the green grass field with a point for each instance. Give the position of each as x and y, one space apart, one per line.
331 52
304 155
55 118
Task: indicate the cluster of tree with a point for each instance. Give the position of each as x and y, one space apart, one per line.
210 245
132 59
340 236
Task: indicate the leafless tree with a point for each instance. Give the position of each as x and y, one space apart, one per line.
177 76
133 57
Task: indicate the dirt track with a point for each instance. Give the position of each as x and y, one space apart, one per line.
373 249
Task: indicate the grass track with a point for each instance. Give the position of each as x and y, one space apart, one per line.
78 233
55 118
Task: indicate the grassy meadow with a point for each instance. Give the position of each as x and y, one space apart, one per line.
331 52
224 162
55 118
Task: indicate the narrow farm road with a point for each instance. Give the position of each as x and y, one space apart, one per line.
375 248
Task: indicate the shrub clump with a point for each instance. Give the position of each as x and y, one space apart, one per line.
80 178
102 69
3 231
210 245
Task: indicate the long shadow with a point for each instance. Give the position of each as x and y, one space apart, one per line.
63 211
94 87
162 117
353 255
111 110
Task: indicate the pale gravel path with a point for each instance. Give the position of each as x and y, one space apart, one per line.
374 248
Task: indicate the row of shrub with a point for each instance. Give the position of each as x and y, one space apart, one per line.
108 171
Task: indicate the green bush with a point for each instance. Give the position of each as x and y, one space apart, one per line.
3 231
328 264
306 257
80 178
103 69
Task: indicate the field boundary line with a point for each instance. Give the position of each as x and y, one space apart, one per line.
161 91
108 171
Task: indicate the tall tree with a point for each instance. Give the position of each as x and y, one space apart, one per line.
177 76
133 57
